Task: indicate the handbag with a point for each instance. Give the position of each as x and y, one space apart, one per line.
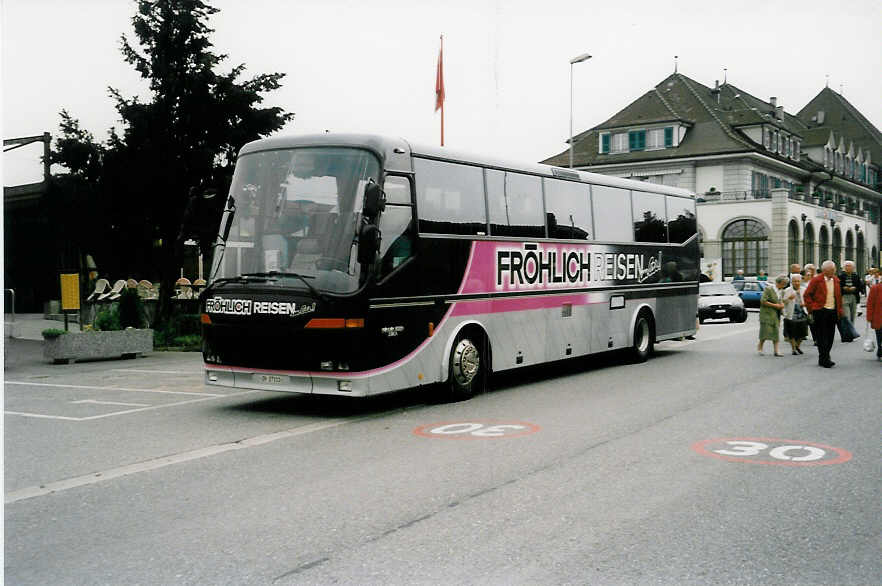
870 340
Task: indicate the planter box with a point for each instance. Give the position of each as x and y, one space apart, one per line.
89 345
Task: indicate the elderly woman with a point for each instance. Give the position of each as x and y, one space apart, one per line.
770 313
795 316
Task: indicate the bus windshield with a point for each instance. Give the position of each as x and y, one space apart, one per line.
297 213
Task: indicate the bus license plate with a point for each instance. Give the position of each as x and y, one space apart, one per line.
272 379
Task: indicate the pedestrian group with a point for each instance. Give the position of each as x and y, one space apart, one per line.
820 303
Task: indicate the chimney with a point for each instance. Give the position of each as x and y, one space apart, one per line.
774 102
716 91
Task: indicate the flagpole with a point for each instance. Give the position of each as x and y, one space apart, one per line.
442 81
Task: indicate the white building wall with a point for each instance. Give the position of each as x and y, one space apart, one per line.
707 176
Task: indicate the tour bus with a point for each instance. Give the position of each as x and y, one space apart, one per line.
360 264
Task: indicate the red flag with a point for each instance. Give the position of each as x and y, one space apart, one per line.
439 79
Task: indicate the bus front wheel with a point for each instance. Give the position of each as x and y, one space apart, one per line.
468 366
643 338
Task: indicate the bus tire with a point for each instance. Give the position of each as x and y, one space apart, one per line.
467 367
644 337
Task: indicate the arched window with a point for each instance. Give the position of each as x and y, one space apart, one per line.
861 254
745 246
823 245
837 248
808 242
849 247
793 243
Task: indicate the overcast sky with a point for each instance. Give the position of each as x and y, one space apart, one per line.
369 65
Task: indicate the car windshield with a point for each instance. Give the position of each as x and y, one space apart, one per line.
716 289
297 212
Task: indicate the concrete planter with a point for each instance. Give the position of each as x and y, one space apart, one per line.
89 345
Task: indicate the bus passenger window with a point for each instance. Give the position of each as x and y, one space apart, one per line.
568 209
515 203
682 224
612 213
450 198
650 219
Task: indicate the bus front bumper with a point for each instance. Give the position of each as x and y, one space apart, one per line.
289 383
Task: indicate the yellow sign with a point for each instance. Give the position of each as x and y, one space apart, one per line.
70 291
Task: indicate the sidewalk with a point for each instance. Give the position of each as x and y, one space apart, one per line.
29 326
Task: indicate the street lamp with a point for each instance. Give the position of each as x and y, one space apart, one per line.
573 61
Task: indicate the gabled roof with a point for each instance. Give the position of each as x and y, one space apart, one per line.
844 120
716 120
676 99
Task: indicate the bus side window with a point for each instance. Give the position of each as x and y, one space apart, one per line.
612 213
650 218
682 224
515 202
450 197
568 206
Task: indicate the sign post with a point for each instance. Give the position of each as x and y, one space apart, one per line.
70 295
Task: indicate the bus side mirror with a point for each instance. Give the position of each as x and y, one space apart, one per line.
368 244
228 218
374 200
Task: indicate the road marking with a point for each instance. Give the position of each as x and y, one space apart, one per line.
476 429
121 389
772 451
151 371
154 464
97 402
127 411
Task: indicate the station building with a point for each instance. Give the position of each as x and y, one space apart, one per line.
772 188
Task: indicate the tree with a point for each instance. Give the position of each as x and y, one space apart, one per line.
186 135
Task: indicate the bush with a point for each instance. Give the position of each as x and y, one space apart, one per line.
181 330
108 320
131 309
53 333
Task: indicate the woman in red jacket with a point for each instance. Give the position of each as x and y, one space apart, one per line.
874 315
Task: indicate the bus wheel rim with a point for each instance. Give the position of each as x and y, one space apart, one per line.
643 336
466 362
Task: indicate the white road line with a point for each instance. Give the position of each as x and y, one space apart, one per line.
41 416
97 402
96 477
122 389
127 411
199 372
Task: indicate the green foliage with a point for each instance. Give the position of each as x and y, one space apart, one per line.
108 319
53 333
185 133
182 330
131 309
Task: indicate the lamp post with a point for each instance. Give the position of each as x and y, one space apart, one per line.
573 61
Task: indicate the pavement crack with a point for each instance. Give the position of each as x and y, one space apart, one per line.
302 568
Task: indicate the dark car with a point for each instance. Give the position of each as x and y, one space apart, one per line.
720 301
750 291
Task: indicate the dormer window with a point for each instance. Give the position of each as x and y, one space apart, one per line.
636 140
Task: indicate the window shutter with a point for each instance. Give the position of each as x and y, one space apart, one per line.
669 137
632 141
604 138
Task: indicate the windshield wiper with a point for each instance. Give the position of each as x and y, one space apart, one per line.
275 274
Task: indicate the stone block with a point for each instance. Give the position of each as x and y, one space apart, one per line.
91 345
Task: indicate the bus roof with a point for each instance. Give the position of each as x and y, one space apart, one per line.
395 153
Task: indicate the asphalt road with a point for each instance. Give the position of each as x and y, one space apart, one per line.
706 465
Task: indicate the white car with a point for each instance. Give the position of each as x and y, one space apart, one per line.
720 301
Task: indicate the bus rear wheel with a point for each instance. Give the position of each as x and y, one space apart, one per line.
643 338
468 366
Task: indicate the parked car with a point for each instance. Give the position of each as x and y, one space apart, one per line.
750 291
720 301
